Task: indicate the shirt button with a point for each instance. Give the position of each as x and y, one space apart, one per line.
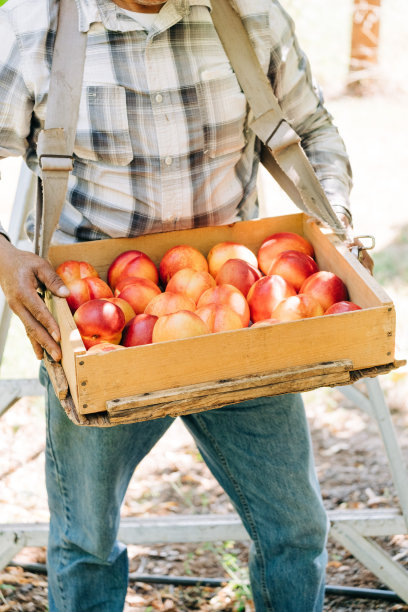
159 98
168 161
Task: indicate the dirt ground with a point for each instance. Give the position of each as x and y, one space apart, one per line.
350 459
352 470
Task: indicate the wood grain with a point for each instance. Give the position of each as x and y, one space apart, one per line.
365 338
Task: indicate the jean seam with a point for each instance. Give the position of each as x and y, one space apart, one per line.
246 509
62 555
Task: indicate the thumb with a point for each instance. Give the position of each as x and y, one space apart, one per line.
50 279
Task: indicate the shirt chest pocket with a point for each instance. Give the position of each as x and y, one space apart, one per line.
223 110
103 127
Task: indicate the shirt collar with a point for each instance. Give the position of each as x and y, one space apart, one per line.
108 13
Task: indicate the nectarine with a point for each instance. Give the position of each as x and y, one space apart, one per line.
103 347
139 293
124 306
168 302
75 270
281 241
139 330
178 325
179 257
85 289
301 306
343 306
264 296
221 252
132 263
99 321
293 266
326 287
228 295
190 282
238 273
219 317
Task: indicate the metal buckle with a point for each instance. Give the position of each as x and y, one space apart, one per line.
357 250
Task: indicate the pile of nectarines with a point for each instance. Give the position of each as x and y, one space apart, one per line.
190 294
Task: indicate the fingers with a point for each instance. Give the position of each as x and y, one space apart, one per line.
363 256
366 260
48 277
37 348
21 275
41 329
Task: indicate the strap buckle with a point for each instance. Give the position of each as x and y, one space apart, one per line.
58 163
358 249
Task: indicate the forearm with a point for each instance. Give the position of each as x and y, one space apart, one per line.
302 105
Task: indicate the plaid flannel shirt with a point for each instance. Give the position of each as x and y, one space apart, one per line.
162 140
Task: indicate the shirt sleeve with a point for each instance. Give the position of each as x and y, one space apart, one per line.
16 103
302 105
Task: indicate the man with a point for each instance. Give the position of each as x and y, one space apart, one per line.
162 144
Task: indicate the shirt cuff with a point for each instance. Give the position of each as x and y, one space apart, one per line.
337 192
338 195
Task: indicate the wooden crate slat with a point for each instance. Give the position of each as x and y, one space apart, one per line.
366 338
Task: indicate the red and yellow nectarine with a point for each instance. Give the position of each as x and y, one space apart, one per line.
85 289
179 257
139 293
72 270
281 241
103 347
99 321
179 325
125 307
343 306
238 273
139 330
228 295
293 266
219 317
132 263
264 296
168 302
301 306
326 287
190 282
223 251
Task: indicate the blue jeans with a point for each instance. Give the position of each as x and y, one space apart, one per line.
260 453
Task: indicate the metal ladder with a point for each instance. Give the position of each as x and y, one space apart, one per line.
353 529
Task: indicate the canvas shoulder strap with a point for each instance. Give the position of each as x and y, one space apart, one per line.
283 155
56 140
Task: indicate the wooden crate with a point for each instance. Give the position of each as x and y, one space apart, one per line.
194 374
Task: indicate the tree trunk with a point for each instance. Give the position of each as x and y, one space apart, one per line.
364 44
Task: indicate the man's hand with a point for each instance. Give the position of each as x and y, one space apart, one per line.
364 257
22 274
